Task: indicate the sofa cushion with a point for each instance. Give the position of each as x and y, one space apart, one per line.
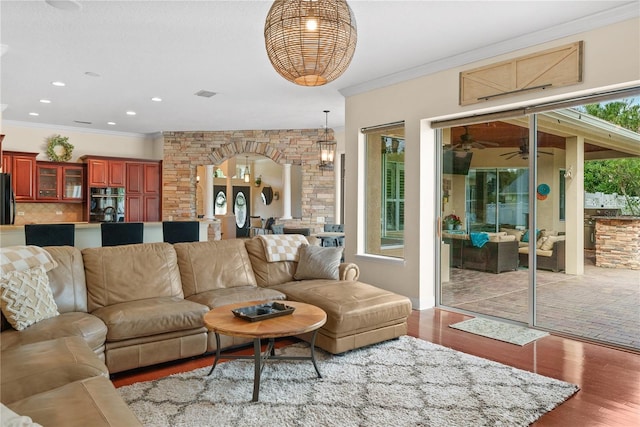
150 316
34 368
351 307
539 252
316 262
218 297
118 274
219 264
26 297
86 326
67 280
90 402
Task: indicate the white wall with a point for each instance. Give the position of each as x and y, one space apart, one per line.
25 136
611 59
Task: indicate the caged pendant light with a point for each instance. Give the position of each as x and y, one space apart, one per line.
247 175
327 147
310 42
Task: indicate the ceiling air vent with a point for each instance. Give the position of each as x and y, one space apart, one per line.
205 93
82 122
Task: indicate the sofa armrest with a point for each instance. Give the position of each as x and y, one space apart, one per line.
348 271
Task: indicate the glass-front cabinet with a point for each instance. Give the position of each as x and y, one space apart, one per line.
59 182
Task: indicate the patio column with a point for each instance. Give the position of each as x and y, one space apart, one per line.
574 214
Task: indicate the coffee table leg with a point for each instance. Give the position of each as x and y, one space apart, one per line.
215 362
313 352
257 361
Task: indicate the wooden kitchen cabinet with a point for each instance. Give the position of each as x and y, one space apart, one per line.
142 191
105 173
22 167
59 182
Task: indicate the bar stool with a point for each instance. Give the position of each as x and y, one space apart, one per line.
121 233
180 231
50 234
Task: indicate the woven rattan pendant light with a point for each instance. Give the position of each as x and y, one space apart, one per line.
310 42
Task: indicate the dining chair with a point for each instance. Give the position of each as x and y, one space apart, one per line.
180 231
50 234
121 233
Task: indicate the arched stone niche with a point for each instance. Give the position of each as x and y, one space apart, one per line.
184 151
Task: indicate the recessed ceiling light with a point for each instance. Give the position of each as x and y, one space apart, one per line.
156 99
45 101
91 74
111 123
34 114
64 4
205 93
131 113
59 84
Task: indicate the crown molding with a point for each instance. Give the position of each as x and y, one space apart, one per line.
75 129
588 23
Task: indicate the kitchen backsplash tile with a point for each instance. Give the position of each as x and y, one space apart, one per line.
42 213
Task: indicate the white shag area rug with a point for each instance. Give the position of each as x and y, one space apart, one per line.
502 331
404 382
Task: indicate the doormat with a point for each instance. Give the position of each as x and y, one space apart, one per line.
501 331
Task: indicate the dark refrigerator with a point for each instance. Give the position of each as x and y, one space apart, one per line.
7 200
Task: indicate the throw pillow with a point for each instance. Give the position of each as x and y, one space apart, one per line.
547 245
541 242
513 232
525 237
317 262
26 298
11 419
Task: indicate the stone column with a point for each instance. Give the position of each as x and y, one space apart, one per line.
286 191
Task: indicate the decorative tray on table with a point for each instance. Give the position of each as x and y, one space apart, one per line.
264 311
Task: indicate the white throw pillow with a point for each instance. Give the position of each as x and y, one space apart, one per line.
26 297
11 419
317 262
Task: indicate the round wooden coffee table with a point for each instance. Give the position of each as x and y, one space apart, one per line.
305 318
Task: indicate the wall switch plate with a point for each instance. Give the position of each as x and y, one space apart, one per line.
320 219
20 213
58 212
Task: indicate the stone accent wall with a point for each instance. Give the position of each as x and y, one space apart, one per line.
183 151
618 243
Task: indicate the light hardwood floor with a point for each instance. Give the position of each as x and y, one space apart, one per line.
609 379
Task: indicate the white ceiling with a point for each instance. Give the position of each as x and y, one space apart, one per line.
172 49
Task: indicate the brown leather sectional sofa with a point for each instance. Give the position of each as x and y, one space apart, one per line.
131 306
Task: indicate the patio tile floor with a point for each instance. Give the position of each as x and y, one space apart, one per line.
602 305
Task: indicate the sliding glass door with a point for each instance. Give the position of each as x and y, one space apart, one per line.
485 211
538 227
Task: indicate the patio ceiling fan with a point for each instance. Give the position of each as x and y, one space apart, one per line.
467 142
523 152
